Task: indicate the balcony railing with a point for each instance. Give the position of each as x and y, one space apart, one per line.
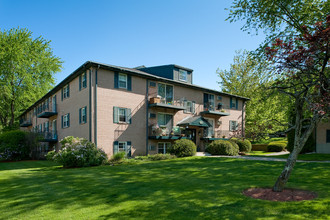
162 103
164 132
25 122
49 136
47 112
210 109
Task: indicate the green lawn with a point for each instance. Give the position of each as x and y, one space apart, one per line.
267 141
191 188
259 153
308 157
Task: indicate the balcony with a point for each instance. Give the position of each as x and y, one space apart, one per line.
157 102
49 136
25 122
211 110
166 133
217 135
47 112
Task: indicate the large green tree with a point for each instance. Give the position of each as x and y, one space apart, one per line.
301 58
27 68
266 112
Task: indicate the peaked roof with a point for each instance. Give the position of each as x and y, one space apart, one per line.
198 121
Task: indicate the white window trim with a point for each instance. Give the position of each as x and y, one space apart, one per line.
120 87
65 91
213 124
65 121
165 90
185 73
125 146
164 146
126 119
231 127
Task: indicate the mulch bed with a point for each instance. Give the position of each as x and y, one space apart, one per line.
287 195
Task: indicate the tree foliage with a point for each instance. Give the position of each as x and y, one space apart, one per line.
27 68
266 111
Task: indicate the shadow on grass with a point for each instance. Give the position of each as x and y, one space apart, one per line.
175 189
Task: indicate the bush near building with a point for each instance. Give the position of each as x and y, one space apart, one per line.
243 144
78 152
183 148
223 147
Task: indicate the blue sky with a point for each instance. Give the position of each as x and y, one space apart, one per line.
130 33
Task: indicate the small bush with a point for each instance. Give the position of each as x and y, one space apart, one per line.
243 144
161 157
276 146
222 147
50 155
16 145
78 152
183 148
118 157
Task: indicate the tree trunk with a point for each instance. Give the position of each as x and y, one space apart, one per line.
299 142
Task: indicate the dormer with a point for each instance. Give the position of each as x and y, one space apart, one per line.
172 71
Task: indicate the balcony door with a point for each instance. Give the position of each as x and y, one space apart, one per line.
54 104
54 129
165 122
166 93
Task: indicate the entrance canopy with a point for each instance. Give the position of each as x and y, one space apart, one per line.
198 121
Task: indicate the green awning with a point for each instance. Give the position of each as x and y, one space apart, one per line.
195 121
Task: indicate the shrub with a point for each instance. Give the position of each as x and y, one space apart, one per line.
50 155
243 144
222 147
78 152
183 148
308 147
118 157
161 157
16 145
276 146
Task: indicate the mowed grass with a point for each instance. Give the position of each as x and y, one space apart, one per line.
308 157
189 188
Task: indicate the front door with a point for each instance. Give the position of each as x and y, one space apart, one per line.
191 134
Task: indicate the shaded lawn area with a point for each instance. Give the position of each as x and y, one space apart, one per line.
190 188
308 157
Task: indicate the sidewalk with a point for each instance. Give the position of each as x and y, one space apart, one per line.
266 158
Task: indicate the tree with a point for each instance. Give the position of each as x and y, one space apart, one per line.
299 46
303 64
27 68
266 111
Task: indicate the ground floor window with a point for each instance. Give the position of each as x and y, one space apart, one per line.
163 147
122 146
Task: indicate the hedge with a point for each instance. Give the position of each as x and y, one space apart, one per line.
222 147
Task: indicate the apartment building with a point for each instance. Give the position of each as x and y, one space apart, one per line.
139 110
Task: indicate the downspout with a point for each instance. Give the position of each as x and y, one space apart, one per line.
95 107
243 106
90 105
147 113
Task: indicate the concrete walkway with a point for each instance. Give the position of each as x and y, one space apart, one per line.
258 158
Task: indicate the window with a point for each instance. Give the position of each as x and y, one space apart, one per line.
190 107
183 75
152 84
208 102
121 146
219 98
166 93
66 92
122 81
165 120
83 115
328 136
163 147
209 132
66 120
121 115
46 126
233 103
83 81
233 125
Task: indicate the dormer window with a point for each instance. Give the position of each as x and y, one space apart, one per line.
122 81
183 75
